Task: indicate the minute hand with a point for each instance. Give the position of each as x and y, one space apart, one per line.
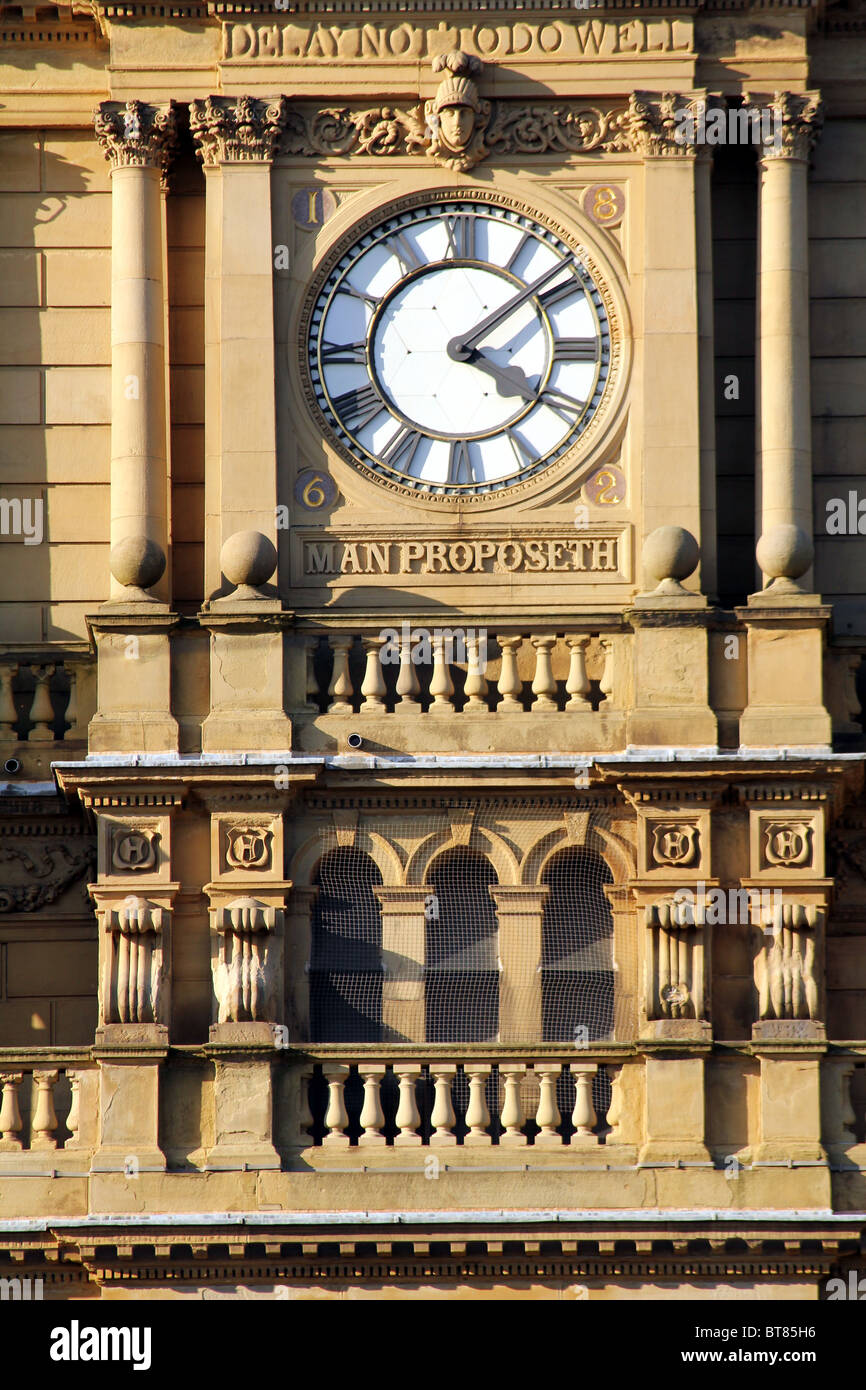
462 345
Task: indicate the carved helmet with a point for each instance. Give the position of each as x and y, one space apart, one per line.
456 91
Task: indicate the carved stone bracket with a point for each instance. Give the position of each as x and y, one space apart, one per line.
786 971
246 960
136 135
795 126
231 130
134 958
674 961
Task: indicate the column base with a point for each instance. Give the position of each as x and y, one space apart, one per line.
683 1030
133 733
787 1029
670 1152
243 1098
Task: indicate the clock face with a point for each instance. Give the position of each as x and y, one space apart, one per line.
458 348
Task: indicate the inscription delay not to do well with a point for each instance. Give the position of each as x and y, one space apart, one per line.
404 41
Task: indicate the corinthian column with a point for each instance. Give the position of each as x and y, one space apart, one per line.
137 139
789 129
237 137
785 622
656 127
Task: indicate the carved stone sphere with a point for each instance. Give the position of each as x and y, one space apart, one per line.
670 552
248 559
137 562
784 552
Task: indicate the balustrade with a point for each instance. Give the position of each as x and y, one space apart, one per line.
447 671
471 1103
40 702
39 1107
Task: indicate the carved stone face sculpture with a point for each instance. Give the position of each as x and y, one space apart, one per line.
457 125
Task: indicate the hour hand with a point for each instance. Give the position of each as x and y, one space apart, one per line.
510 381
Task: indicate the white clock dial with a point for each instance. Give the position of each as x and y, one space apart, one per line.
458 348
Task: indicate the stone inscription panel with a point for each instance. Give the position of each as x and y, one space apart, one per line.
601 552
574 40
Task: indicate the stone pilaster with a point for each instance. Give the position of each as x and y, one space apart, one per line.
520 910
137 139
236 138
403 956
668 345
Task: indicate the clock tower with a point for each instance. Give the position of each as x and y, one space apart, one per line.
433 688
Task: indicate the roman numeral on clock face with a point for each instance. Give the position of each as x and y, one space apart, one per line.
460 468
565 406
344 354
401 450
357 408
373 300
515 255
461 238
557 293
404 253
575 349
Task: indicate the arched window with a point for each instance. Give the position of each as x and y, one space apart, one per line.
576 948
461 951
346 950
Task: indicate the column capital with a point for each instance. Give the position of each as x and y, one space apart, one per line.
657 124
135 134
237 130
795 123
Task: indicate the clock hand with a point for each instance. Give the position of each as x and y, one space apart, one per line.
510 381
459 347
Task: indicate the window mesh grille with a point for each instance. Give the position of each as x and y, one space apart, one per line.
576 949
461 973
346 954
443 957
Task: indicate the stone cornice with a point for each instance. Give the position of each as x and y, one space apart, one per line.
136 135
237 130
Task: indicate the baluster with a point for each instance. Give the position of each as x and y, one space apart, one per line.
336 1116
510 685
309 645
10 1114
408 685
8 712
73 1119
70 718
477 1113
838 1117
340 687
583 1116
373 687
306 1118
42 710
605 685
577 685
408 1119
372 1114
43 1119
543 684
548 1117
441 684
512 1115
443 1119
614 1110
475 688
